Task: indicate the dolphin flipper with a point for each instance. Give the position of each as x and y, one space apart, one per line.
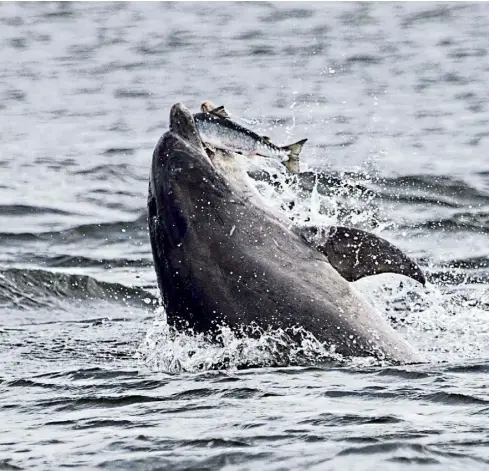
355 254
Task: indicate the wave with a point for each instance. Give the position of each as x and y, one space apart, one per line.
24 210
108 231
27 288
455 278
30 259
461 221
470 263
109 172
447 189
79 261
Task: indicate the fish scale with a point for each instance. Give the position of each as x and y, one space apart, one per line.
222 133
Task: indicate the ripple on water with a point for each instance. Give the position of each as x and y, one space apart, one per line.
392 98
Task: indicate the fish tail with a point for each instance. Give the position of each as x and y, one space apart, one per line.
293 150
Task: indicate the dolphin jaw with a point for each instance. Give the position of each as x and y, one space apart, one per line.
182 123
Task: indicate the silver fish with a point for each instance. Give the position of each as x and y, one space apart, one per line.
217 130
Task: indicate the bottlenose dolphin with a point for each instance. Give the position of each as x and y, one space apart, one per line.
222 257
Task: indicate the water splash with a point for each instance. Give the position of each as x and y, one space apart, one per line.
167 350
444 323
316 198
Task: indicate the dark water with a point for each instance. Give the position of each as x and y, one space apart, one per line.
395 103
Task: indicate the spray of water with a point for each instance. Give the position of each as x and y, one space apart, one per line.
165 349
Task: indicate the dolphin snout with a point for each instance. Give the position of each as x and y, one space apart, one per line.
182 123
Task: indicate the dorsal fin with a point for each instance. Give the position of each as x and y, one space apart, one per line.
355 254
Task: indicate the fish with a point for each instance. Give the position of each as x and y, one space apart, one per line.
219 131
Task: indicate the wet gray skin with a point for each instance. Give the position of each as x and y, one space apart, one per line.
221 258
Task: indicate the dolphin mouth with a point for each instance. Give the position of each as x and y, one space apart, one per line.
183 124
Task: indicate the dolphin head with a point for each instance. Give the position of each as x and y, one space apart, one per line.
184 184
180 162
191 210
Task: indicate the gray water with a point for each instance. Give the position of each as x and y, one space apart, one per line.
395 103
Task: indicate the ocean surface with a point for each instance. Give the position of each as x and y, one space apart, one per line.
394 100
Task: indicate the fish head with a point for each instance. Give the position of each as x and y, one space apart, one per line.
207 106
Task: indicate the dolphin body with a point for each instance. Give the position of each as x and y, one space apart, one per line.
223 258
